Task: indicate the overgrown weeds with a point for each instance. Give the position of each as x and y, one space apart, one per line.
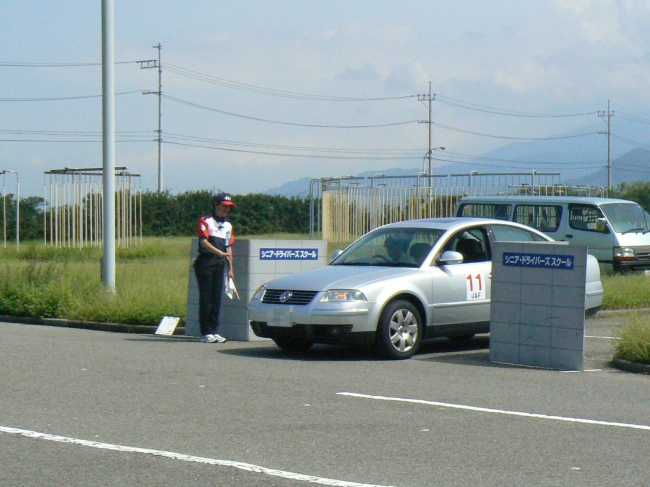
634 342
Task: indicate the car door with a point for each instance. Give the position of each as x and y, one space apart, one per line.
461 291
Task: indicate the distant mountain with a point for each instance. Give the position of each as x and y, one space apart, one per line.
631 166
572 154
299 187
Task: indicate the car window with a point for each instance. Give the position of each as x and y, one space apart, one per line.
586 218
542 217
506 233
472 243
392 247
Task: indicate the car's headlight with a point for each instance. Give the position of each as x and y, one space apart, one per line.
624 253
342 295
260 292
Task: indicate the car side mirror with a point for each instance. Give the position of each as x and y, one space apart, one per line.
450 257
335 254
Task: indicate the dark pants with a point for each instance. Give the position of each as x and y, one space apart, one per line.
210 278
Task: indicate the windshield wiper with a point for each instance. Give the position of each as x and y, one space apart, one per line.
635 230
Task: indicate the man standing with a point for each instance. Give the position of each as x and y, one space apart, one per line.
215 256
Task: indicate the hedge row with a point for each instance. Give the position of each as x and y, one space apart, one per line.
167 215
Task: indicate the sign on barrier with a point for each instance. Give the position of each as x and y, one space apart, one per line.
518 259
288 254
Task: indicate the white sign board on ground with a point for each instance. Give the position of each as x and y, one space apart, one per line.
538 304
167 325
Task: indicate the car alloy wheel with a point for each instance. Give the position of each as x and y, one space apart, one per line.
399 331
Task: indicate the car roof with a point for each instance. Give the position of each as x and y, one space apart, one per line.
451 223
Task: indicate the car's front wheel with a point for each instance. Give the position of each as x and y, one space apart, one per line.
292 344
399 331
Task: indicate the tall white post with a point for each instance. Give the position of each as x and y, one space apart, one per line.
108 120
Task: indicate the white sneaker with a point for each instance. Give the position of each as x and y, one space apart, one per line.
219 338
209 338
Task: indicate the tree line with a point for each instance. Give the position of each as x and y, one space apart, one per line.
167 215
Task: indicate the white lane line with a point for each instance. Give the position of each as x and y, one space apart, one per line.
603 337
497 411
186 458
580 371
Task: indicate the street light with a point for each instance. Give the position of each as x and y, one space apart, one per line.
428 155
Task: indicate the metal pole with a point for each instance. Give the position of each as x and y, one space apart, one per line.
609 149
160 166
108 139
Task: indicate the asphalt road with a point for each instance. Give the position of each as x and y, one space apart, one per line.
91 408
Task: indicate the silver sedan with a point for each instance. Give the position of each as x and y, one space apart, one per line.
396 286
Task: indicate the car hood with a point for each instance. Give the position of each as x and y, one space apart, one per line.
337 277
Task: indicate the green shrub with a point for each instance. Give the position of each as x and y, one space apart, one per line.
634 342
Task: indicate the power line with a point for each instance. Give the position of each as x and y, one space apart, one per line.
69 132
203 107
69 141
307 156
634 118
640 144
54 65
521 161
498 111
270 91
456 129
289 147
64 98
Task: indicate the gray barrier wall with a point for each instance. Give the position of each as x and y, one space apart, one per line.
255 262
538 304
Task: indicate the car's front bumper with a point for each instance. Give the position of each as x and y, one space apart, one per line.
330 334
316 321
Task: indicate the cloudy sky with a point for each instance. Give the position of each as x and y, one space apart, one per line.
259 93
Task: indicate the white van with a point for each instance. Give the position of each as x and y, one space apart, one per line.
616 232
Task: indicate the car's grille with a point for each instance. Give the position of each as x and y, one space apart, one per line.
642 253
283 296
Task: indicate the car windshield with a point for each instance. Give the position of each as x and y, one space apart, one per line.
391 247
626 217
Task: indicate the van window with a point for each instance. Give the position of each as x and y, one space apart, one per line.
545 218
585 218
501 211
505 233
626 217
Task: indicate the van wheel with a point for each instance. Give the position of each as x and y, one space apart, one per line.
399 330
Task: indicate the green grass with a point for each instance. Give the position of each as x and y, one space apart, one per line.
151 281
634 340
626 291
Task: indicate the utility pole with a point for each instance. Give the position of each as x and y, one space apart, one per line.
609 145
152 64
428 98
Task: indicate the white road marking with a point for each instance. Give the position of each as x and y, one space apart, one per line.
186 458
580 371
496 411
603 337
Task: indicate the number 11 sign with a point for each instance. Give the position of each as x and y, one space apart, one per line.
475 286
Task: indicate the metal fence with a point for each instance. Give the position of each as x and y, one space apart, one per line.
3 173
73 214
343 209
